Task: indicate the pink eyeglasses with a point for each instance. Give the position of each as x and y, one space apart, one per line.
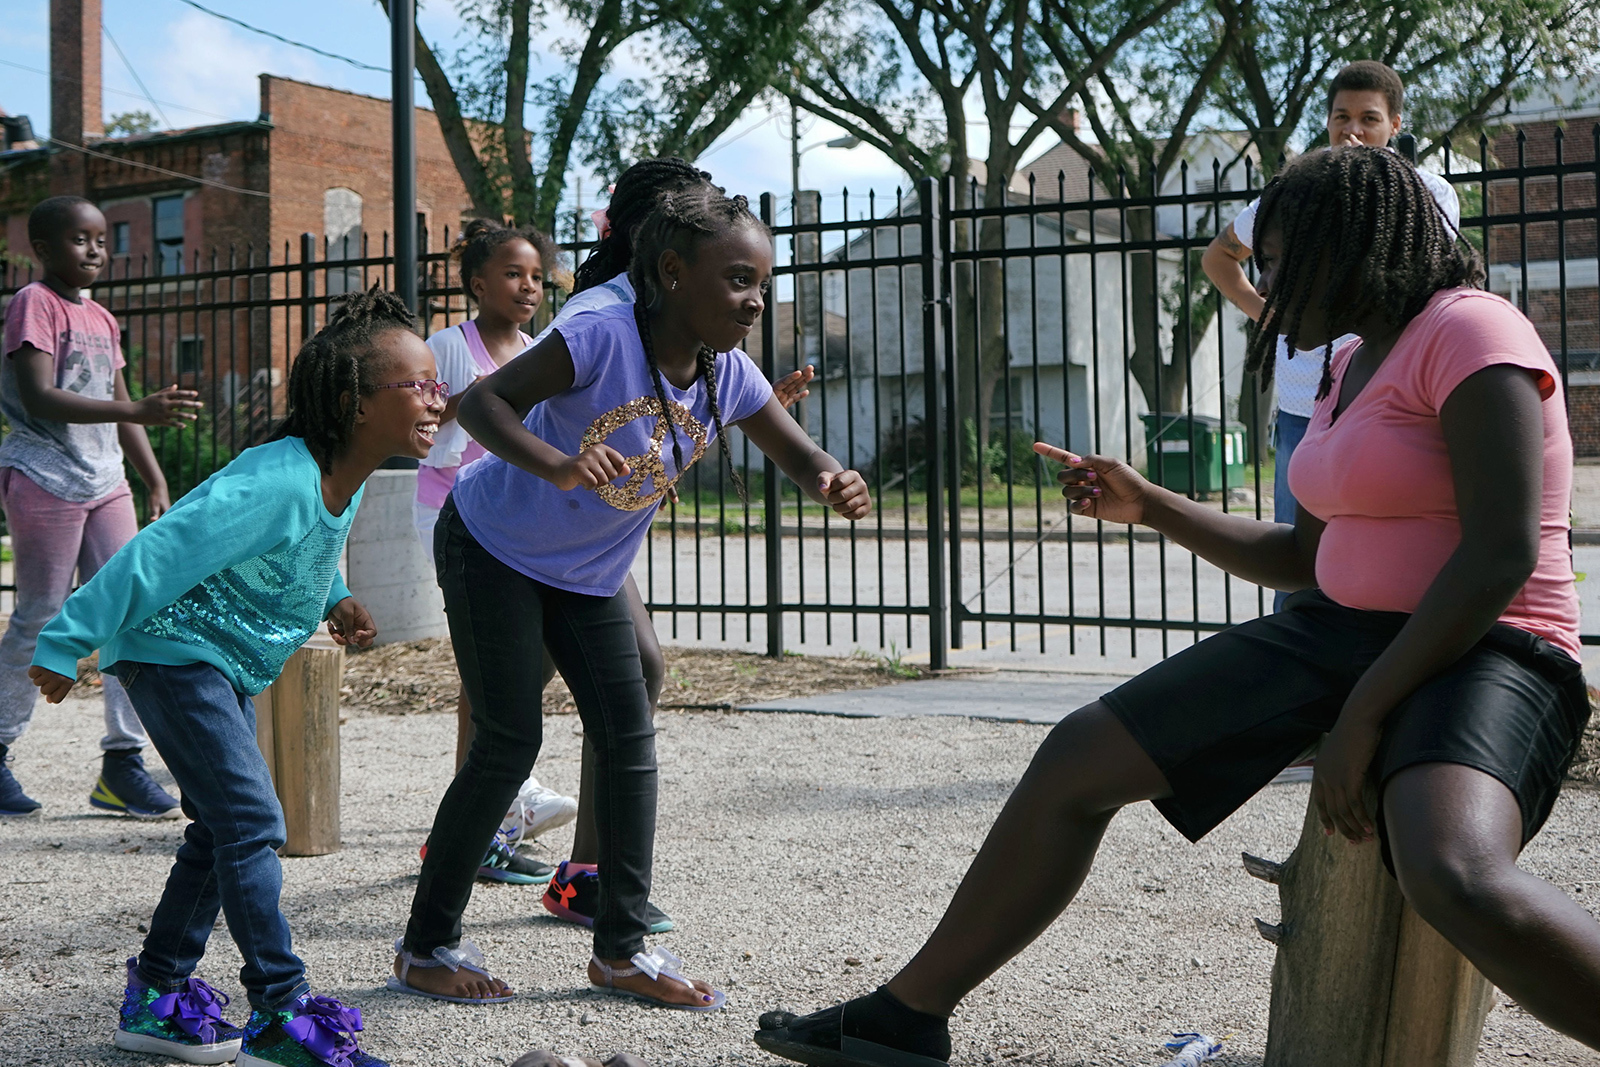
431 390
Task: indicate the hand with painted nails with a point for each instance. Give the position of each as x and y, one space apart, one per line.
1099 487
1338 784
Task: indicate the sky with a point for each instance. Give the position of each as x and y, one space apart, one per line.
200 69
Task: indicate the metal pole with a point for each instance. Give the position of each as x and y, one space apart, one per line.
772 499
938 639
403 60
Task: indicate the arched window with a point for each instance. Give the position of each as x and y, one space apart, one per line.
341 223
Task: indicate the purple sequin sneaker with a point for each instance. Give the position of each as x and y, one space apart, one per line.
186 1025
311 1032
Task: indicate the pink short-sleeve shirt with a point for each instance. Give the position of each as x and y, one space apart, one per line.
1380 474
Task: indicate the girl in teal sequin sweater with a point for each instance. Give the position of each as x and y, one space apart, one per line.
197 614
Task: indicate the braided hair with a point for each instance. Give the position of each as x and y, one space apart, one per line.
680 222
342 358
1366 213
480 237
632 200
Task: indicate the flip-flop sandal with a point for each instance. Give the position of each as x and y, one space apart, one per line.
541 1058
465 956
818 1040
658 963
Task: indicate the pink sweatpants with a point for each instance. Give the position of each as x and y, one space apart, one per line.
50 539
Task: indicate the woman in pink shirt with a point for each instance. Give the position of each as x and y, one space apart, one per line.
1433 634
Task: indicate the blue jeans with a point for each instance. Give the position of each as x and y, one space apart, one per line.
1286 435
205 731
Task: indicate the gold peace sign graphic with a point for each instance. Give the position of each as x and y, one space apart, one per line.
630 495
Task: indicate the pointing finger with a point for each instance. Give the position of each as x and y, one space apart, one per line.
1049 451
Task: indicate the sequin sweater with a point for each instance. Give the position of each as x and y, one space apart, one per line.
237 574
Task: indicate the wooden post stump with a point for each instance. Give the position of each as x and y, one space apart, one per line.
297 727
1360 979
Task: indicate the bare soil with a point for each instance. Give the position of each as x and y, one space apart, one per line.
420 676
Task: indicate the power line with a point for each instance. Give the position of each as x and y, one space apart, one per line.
121 92
279 37
137 80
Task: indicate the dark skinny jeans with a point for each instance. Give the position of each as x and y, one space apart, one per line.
501 621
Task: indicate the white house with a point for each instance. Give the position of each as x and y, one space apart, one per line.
1068 333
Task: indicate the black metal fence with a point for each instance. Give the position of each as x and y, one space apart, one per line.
947 335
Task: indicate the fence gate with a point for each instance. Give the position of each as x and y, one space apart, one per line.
948 333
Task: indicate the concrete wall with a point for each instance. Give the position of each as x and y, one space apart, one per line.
388 571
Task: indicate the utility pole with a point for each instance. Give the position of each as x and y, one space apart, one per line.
403 113
794 155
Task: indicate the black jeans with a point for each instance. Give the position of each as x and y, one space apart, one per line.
501 621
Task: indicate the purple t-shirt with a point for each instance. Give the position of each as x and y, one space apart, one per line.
585 540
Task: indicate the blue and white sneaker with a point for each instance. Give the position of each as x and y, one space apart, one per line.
14 803
186 1025
126 787
311 1032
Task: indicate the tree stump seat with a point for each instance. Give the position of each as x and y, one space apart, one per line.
1360 979
297 729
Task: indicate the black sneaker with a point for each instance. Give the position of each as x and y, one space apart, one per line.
14 803
574 895
126 787
503 863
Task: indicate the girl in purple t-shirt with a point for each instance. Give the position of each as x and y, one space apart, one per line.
588 431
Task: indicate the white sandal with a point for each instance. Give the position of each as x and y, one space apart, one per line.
658 963
465 956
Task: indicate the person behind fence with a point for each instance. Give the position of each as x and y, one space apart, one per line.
502 271
600 281
197 614
67 503
1433 634
588 432
1364 105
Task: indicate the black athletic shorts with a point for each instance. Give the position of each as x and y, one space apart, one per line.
1223 717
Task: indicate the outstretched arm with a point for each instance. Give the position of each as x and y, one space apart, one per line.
42 399
493 409
1222 263
818 474
1276 555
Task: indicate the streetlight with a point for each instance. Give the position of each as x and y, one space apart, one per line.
849 140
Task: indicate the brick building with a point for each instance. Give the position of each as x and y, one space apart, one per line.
186 202
1568 318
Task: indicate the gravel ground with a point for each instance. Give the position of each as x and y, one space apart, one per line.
803 857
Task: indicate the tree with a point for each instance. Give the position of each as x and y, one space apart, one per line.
1459 62
877 67
514 145
130 124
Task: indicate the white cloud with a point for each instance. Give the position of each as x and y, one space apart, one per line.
214 65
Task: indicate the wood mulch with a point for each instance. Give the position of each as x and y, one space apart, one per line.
420 676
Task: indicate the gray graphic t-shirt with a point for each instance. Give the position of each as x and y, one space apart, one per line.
74 461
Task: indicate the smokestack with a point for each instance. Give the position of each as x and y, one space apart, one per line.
75 108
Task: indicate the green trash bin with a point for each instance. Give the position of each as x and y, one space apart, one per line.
1169 439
